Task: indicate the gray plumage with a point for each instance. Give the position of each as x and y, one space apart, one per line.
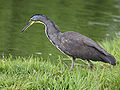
73 43
79 46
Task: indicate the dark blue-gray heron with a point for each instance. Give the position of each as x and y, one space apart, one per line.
72 43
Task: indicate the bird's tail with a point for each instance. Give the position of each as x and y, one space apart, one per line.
110 59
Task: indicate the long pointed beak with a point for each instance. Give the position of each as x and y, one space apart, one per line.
27 26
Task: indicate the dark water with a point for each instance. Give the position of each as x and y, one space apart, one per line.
96 19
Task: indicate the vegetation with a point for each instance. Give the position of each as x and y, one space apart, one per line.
35 73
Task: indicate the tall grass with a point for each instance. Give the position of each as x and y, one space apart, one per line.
34 73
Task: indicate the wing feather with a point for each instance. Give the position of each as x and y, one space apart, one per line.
75 44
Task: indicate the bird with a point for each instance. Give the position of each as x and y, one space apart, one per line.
72 43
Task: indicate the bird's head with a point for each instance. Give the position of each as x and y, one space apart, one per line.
37 18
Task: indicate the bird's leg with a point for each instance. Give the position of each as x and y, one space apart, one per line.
73 60
91 64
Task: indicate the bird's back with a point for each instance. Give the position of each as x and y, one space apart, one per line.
80 46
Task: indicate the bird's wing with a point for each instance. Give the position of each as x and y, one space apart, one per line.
93 44
74 42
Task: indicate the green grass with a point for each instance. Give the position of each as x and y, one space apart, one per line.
34 73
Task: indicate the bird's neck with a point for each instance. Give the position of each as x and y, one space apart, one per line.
52 32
